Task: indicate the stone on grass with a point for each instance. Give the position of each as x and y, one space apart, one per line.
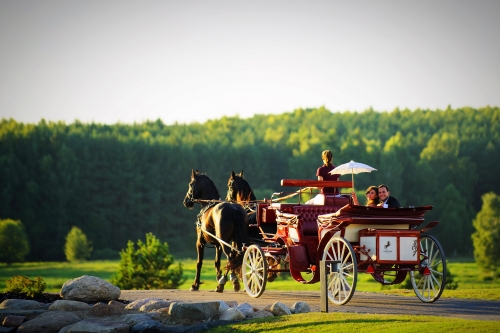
155 305
13 321
280 309
22 304
136 305
96 325
246 308
190 312
63 305
50 321
89 289
300 307
232 314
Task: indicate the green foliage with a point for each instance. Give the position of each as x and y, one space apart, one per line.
486 238
121 181
77 246
14 244
148 266
23 285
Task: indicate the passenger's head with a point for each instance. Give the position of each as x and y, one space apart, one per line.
327 157
383 192
372 192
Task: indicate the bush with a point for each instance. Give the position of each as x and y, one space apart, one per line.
14 245
147 266
486 238
23 285
77 246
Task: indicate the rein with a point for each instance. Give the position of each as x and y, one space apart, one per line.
198 222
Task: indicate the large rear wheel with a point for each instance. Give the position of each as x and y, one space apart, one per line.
429 282
254 271
341 282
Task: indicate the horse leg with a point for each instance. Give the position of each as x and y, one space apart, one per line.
235 280
222 283
201 250
218 251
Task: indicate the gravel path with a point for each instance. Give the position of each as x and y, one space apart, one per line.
362 302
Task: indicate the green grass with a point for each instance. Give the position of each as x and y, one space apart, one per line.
471 282
351 322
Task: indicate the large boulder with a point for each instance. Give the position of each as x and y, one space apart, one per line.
191 312
51 321
89 289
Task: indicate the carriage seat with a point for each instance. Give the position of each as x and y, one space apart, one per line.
308 216
338 200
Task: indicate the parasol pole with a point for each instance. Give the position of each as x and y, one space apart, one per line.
352 173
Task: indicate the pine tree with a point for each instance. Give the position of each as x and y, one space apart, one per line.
486 239
77 246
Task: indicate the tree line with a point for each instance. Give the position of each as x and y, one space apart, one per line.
119 182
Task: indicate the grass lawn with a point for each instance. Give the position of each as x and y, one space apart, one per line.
352 322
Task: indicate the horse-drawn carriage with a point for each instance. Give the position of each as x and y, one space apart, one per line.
387 243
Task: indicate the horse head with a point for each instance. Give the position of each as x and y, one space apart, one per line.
238 189
200 187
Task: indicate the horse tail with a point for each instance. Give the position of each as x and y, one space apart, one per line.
240 235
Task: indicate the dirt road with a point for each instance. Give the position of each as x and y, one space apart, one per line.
361 302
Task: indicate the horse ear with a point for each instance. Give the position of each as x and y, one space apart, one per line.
241 174
232 175
193 174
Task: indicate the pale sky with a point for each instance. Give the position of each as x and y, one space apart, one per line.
192 60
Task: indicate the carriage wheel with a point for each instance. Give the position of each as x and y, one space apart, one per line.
254 271
341 283
429 282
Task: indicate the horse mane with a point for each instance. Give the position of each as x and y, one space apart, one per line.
247 188
211 182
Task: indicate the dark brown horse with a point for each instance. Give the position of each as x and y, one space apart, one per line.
222 224
239 191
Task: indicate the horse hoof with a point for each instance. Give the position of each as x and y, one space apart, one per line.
194 288
220 288
236 286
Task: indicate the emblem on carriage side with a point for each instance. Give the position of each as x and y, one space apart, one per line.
387 245
414 247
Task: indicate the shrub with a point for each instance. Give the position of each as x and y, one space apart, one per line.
148 266
486 238
77 246
14 245
23 285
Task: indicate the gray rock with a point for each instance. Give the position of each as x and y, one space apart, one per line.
232 314
96 325
148 326
155 305
190 312
261 314
89 289
136 305
22 304
246 308
223 306
300 307
280 309
13 321
7 329
49 322
103 310
133 319
63 305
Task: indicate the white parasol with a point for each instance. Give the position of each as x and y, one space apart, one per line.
352 168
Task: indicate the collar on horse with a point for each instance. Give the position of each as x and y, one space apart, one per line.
203 211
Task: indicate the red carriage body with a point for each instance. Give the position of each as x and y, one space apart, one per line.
387 243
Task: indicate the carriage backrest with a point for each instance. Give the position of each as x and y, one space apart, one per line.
308 216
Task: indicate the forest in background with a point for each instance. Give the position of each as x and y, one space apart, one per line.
119 182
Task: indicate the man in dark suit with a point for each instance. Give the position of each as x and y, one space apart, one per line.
386 200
